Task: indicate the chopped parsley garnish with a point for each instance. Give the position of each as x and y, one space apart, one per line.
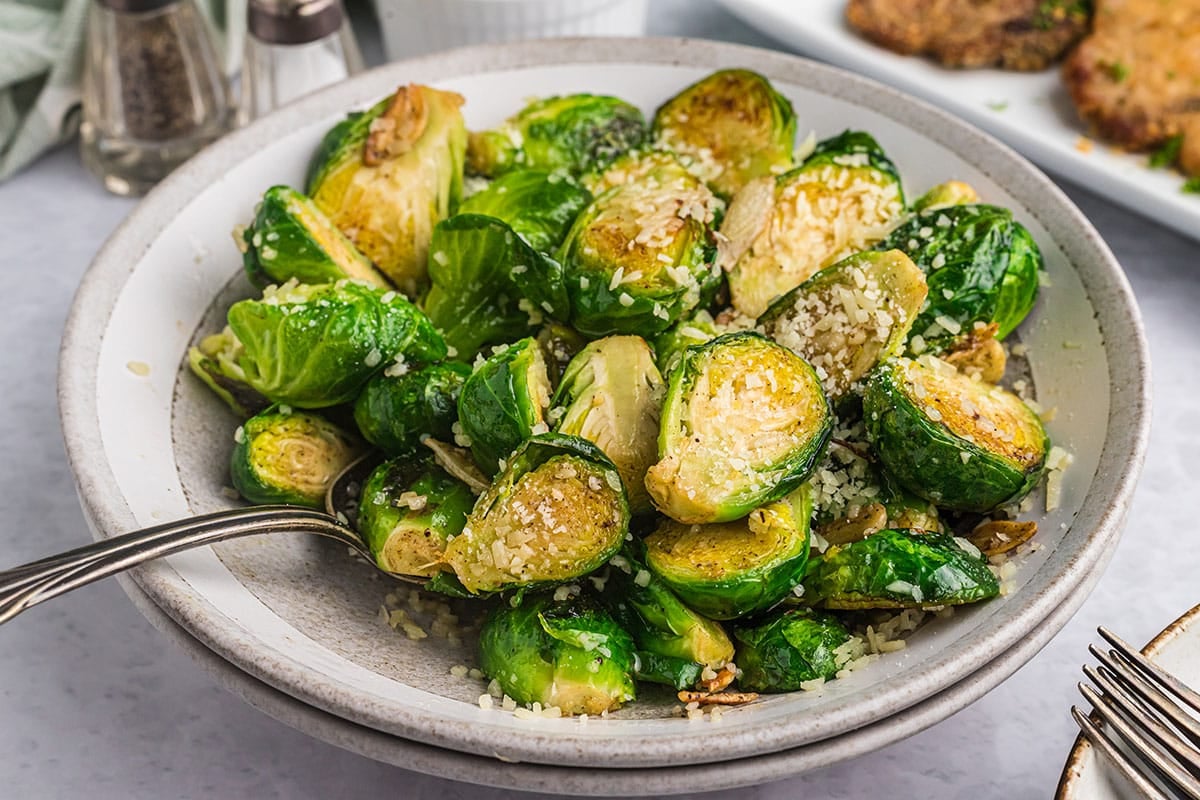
997 105
1191 186
1116 70
1168 154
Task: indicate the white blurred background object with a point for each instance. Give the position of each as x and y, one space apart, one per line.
413 27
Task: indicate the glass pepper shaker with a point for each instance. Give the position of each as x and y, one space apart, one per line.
153 91
293 47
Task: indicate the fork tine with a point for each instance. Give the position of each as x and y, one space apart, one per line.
1147 691
1153 671
1137 741
1137 712
1118 759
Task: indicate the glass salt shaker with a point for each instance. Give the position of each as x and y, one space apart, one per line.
153 91
293 47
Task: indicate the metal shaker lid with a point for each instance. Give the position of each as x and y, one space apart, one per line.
135 6
292 21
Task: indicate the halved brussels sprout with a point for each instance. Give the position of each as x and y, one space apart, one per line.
571 655
540 206
489 285
950 193
842 200
504 402
611 395
290 457
670 345
212 361
981 266
961 443
850 316
291 238
732 569
899 569
789 649
574 133
407 512
313 346
638 258
659 621
399 407
385 177
556 512
744 423
732 126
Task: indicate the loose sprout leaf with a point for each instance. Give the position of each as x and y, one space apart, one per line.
488 285
290 458
788 649
670 345
981 266
213 362
732 569
843 199
395 412
958 442
387 199
899 569
575 133
744 423
731 127
677 673
950 193
538 205
291 238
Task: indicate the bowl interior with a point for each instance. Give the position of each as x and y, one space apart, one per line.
149 443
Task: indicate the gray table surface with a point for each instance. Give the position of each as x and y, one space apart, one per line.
95 702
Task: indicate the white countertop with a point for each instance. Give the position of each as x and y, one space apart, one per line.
95 703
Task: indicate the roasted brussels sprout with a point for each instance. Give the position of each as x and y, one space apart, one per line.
401 406
899 569
611 395
744 423
407 511
556 512
291 238
569 655
850 316
489 285
638 257
981 266
504 402
658 620
789 649
313 346
290 457
843 199
950 193
689 332
961 443
731 126
385 177
732 569
214 362
538 205
575 133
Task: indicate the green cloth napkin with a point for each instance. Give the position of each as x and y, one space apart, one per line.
41 62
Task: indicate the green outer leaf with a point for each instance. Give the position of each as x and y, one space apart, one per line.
774 480
244 401
787 649
670 345
343 140
313 351
877 571
502 402
395 413
678 673
381 520
989 267
768 579
849 143
539 205
291 238
257 457
480 270
925 456
531 651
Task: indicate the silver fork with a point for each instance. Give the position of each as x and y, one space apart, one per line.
1143 721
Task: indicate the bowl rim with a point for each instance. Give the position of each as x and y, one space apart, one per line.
1091 535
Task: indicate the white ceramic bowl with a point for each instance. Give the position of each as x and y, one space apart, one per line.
300 616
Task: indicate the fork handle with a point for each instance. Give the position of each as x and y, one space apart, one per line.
27 585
